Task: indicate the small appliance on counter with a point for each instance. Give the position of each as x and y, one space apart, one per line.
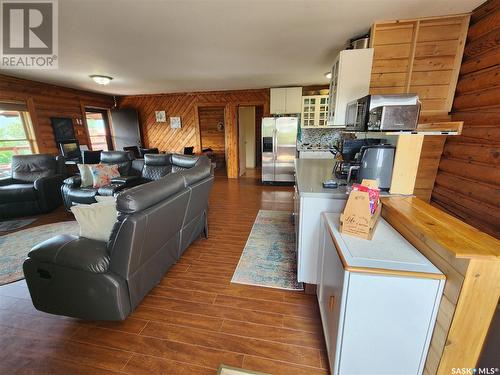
350 147
392 112
375 163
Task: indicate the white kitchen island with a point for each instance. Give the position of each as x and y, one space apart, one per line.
378 301
310 200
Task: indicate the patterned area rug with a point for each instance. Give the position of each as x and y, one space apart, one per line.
15 247
269 258
8 225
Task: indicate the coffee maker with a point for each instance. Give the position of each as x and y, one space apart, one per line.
350 148
375 163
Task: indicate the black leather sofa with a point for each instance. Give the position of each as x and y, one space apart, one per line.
88 279
34 186
74 193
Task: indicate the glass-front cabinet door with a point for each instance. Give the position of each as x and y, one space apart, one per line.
314 111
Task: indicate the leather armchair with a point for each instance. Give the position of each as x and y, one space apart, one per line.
34 186
74 193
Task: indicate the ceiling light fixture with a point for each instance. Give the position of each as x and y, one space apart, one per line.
328 75
101 80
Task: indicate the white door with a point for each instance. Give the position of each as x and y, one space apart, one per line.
241 142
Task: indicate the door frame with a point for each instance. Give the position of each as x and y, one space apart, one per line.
198 135
255 103
230 127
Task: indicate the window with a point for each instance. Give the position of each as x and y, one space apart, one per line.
97 126
16 136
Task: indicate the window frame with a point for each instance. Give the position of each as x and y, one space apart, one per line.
105 116
27 126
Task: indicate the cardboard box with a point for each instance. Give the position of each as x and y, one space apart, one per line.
357 219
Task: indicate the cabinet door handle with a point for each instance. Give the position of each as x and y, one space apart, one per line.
331 302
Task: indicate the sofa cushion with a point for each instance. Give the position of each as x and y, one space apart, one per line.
73 252
17 193
102 174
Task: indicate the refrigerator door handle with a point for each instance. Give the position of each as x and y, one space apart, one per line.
275 144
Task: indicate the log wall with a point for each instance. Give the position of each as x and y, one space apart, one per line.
468 179
45 101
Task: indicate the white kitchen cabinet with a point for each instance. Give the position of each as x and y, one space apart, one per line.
378 301
310 201
314 111
286 100
351 75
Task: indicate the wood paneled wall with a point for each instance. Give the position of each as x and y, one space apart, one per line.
186 106
468 180
45 101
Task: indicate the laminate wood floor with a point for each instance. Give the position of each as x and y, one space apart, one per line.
190 323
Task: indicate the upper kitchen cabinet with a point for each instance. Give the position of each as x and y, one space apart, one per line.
350 80
420 56
286 100
314 111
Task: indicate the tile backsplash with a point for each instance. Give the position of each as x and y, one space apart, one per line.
320 137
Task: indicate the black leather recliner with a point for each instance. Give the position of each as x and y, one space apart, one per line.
152 168
88 279
73 193
34 186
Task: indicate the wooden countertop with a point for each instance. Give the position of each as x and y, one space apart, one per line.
438 229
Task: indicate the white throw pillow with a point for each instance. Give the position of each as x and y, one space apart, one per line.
96 220
86 175
105 199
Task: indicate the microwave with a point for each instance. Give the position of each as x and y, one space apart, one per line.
383 112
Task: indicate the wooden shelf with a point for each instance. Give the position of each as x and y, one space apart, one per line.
409 132
434 128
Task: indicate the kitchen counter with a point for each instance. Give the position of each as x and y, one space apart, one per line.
318 149
309 177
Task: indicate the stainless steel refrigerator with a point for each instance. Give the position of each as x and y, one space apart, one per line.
279 148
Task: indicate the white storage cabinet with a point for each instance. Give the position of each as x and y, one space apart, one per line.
378 301
286 100
351 75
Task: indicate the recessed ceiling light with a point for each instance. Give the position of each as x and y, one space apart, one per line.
328 75
101 80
